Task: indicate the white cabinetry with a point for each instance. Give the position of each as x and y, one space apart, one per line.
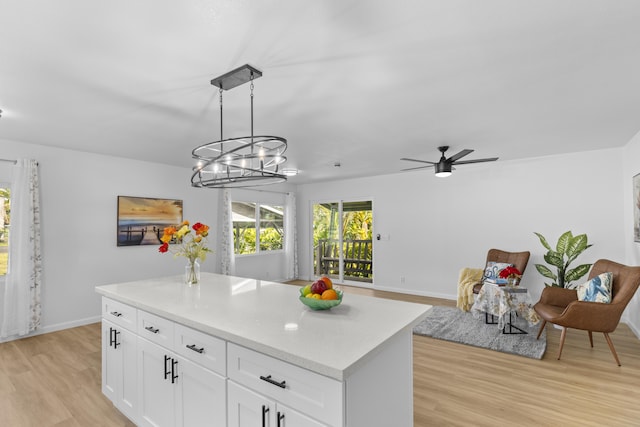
285 391
219 356
250 409
173 390
119 346
159 373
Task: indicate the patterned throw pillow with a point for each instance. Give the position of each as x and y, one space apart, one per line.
597 289
492 272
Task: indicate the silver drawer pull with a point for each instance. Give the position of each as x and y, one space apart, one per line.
196 349
115 313
282 384
152 329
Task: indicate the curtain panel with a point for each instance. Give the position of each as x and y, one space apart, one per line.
21 312
227 255
290 237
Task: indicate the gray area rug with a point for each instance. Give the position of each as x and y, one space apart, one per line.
451 324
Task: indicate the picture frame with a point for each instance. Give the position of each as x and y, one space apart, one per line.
141 220
636 208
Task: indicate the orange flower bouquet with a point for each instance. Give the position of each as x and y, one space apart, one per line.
190 245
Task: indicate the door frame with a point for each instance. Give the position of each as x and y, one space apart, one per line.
340 202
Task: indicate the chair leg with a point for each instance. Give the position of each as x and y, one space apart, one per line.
591 338
544 323
562 337
613 350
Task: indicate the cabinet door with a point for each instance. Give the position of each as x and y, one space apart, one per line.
119 377
287 417
111 363
156 391
248 408
201 396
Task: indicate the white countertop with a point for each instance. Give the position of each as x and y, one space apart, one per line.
268 317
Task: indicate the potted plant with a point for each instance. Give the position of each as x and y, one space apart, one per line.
567 250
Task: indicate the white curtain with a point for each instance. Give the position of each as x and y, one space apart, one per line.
290 237
227 256
21 313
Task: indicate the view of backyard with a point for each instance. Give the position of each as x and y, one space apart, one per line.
5 212
350 252
257 226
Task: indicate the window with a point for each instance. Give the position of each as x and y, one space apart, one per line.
5 215
257 227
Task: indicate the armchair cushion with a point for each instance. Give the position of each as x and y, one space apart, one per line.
492 272
598 289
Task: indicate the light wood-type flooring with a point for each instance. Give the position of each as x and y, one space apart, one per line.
54 380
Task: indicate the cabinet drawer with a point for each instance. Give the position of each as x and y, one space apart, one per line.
156 329
120 314
201 348
307 392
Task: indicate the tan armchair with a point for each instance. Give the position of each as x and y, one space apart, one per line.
518 259
560 306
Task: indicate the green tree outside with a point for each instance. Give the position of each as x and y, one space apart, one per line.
5 217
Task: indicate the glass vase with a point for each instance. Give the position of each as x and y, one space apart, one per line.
192 272
512 282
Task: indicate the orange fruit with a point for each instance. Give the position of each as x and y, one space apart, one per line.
329 294
327 282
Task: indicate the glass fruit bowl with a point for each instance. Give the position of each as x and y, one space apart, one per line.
320 304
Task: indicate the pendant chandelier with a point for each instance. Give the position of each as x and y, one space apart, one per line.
239 162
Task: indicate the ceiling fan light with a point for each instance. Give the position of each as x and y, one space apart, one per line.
290 172
443 169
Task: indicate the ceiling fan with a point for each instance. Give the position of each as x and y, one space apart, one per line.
444 166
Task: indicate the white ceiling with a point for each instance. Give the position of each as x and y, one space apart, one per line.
360 82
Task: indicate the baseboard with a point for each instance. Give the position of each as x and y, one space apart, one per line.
57 327
633 328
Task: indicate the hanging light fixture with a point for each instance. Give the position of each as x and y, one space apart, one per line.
239 162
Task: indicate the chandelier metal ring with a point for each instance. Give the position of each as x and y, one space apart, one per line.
243 161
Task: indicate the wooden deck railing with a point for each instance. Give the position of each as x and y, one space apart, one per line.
357 260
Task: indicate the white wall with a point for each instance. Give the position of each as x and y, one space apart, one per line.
79 206
631 167
438 226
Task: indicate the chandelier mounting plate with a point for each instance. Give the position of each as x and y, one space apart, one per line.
237 77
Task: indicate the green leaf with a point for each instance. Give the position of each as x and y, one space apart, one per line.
576 273
576 245
563 242
571 259
554 258
542 269
543 240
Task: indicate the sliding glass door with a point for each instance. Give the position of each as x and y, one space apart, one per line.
342 240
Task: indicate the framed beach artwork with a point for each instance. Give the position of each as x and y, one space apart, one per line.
141 220
636 208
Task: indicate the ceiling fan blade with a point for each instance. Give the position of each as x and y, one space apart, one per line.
418 167
416 160
459 155
464 162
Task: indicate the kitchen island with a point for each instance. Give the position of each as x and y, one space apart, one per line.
258 352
